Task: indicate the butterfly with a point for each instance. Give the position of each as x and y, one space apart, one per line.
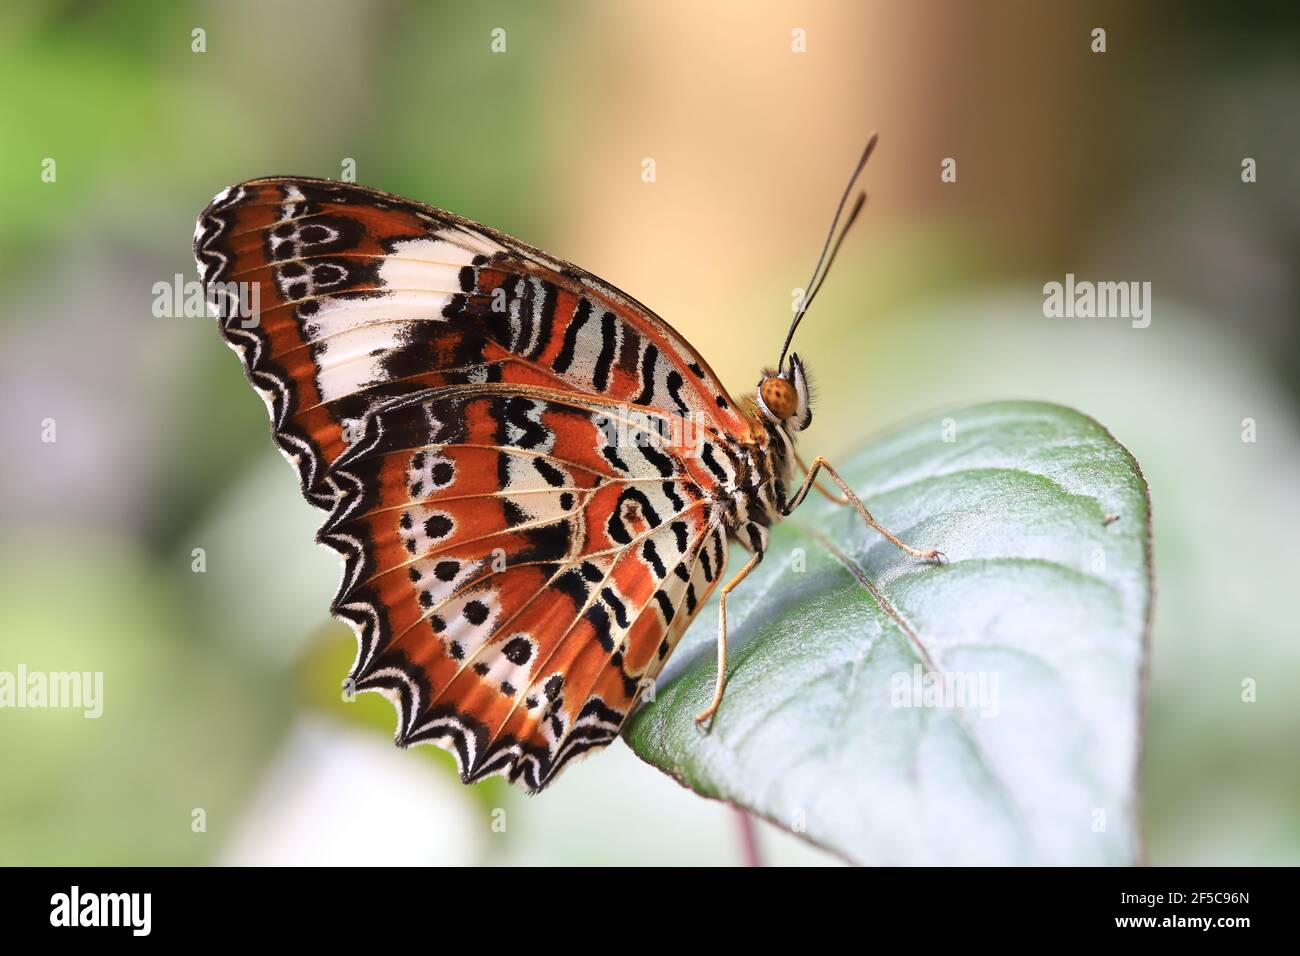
532 479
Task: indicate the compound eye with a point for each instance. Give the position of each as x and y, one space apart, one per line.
779 396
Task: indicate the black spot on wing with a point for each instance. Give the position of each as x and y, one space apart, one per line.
665 606
548 542
648 362
617 606
662 463
518 650
546 320
608 343
711 461
681 532
552 475
598 618
572 585
670 492
569 347
611 455
675 383
651 554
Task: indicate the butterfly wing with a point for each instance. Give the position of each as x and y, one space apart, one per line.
364 296
515 577
518 563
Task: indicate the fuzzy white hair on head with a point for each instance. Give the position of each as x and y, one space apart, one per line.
798 377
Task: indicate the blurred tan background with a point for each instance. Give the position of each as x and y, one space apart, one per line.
221 687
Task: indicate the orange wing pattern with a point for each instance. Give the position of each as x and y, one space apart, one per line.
500 440
513 578
365 296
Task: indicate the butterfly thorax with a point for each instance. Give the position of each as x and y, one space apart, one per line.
759 496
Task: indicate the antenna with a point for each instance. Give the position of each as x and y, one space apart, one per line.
815 283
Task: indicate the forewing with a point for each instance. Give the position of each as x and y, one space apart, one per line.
365 296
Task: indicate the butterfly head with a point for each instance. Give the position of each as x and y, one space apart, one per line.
784 396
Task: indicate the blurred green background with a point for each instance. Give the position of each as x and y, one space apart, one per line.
222 687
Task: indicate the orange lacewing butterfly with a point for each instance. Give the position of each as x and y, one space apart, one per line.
531 477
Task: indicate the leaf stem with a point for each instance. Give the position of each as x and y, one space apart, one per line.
748 838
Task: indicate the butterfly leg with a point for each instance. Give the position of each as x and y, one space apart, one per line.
818 464
837 499
712 709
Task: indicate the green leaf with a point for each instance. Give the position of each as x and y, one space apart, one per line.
1042 610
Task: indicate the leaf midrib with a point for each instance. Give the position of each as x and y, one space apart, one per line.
959 718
